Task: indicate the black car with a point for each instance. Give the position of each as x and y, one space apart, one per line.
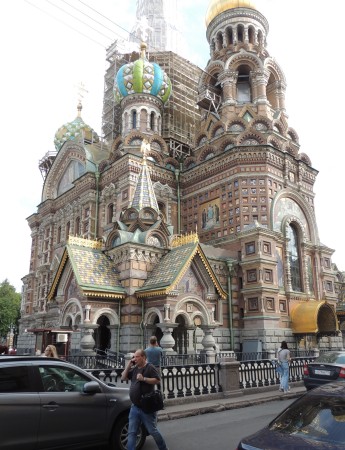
47 403
329 366
314 421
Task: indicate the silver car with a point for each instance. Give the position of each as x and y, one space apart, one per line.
47 403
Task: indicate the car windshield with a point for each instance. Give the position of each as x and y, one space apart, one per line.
331 358
315 418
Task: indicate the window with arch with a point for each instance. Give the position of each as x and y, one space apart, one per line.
251 35
77 225
68 229
110 213
134 119
240 33
74 170
294 258
243 85
59 235
230 35
152 121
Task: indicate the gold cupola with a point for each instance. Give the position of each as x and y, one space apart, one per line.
216 7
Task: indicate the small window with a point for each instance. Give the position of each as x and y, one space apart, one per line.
329 286
268 275
267 248
253 304
282 306
250 248
251 275
327 263
270 304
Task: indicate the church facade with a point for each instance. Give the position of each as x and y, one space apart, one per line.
191 218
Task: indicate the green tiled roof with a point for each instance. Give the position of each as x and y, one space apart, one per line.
93 269
170 266
95 273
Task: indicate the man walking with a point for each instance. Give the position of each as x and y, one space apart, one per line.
143 377
154 354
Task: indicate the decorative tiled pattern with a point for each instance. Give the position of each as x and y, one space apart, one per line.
139 77
93 268
167 271
74 131
144 195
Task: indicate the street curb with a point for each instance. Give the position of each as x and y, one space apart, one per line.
190 410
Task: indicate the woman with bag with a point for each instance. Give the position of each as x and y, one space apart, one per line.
143 377
283 366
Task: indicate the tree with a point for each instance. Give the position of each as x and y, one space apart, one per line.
9 307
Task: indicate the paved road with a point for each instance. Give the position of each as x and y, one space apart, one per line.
218 431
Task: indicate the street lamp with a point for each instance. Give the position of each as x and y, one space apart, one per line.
11 338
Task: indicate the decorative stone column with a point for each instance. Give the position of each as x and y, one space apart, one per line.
87 342
167 342
191 334
209 343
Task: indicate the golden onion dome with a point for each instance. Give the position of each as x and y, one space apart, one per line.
218 6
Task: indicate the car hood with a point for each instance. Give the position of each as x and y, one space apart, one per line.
266 439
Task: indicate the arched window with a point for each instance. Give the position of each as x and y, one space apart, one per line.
240 33
77 226
68 229
74 170
294 259
251 35
243 85
152 121
110 213
134 119
59 235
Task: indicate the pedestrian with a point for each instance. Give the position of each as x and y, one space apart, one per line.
283 362
143 377
154 354
50 351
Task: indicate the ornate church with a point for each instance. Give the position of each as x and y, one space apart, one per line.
192 217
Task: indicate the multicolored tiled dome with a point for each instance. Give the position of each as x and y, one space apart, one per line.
142 77
75 131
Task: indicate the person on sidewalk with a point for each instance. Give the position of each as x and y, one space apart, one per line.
283 361
154 354
143 377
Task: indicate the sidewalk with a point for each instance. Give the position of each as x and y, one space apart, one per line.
237 400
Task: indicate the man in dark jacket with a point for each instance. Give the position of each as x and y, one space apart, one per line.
143 377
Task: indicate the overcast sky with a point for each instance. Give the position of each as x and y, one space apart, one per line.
45 52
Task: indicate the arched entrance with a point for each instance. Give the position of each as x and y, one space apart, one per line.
180 336
102 334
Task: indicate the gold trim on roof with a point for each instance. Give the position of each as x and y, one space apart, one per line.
58 275
191 238
81 242
102 294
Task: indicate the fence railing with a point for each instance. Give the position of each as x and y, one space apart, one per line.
193 380
256 374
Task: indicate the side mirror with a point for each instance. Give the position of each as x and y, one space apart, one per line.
92 387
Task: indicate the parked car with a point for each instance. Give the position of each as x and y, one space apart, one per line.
314 421
48 403
329 366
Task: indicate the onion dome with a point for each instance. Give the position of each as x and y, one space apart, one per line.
216 7
77 131
142 77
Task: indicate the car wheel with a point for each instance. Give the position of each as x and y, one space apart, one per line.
119 436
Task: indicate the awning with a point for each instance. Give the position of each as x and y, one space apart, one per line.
313 317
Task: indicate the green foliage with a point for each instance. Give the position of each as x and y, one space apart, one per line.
9 307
